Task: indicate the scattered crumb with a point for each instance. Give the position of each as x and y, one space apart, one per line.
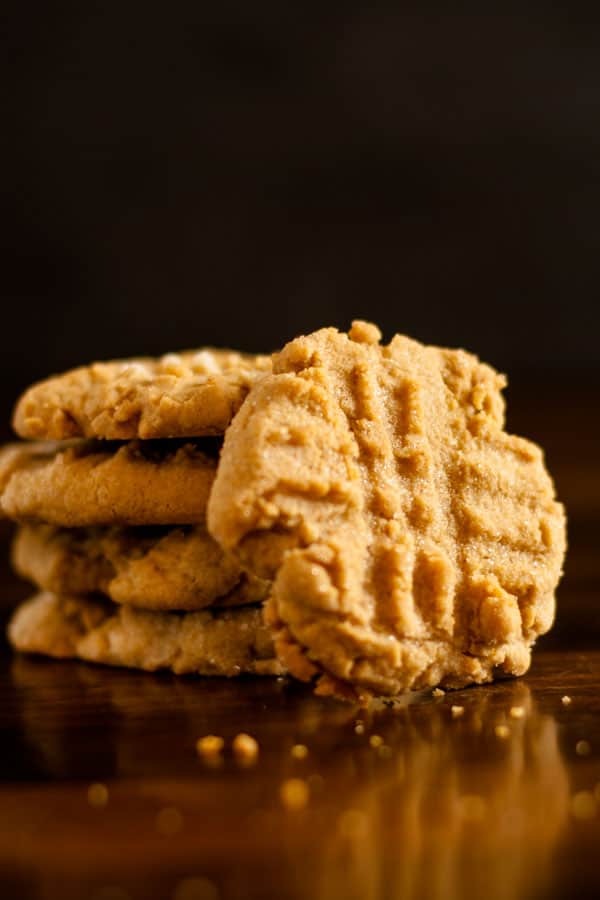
195 889
245 748
294 793
437 692
97 795
315 782
376 740
353 824
457 711
299 751
517 712
359 728
583 806
583 748
502 731
473 807
566 700
169 821
210 746
110 892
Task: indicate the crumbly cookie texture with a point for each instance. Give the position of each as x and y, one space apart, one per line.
178 395
153 568
411 540
225 642
91 483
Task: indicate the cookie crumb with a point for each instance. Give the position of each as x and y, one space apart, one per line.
245 748
294 793
517 712
97 795
195 889
210 746
299 751
566 700
583 748
473 807
457 711
111 892
359 728
353 824
502 731
364 332
169 821
437 692
376 740
315 782
583 806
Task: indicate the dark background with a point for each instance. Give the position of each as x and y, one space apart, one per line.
174 176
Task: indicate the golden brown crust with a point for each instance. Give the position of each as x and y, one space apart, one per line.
411 540
152 568
92 483
226 642
178 395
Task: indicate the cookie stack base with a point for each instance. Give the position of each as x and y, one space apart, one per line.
226 642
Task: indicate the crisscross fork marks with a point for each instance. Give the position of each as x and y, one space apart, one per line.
391 591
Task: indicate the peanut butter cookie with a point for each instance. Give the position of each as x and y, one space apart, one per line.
153 568
225 642
95 483
188 394
411 540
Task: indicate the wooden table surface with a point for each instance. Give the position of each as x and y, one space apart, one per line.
445 808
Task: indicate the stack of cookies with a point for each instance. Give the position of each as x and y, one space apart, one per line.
366 498
110 495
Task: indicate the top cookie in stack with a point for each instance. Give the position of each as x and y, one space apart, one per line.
111 499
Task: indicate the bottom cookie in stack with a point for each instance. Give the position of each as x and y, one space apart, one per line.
225 642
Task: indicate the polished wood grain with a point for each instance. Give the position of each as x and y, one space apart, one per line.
501 800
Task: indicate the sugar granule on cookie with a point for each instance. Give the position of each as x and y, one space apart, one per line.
412 542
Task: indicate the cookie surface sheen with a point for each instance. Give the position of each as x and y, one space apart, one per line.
411 540
188 394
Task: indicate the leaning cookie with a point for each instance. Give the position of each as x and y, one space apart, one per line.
411 540
95 483
178 395
226 642
153 568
